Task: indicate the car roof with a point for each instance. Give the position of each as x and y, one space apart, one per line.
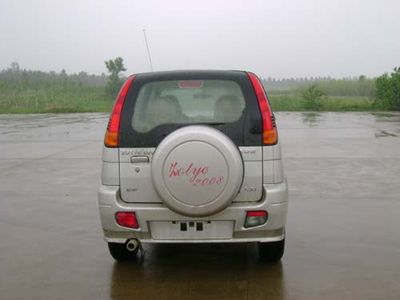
189 74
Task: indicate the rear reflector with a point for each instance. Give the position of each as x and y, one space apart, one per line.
270 133
111 138
255 218
126 219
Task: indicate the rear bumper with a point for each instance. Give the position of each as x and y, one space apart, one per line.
275 201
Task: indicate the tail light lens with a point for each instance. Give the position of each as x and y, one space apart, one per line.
270 133
111 138
255 218
127 219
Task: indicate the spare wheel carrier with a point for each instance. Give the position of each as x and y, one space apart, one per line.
197 171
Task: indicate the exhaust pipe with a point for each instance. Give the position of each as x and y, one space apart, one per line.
132 245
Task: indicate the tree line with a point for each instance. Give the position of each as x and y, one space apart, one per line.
19 79
359 86
384 90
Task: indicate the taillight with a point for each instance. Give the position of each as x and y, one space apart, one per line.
270 133
127 219
111 138
255 218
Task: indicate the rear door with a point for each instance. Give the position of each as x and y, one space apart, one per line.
159 103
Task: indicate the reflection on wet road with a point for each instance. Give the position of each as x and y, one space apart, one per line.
198 271
342 235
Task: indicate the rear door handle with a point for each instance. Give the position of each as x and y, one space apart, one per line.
139 159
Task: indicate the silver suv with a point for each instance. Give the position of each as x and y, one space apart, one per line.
192 157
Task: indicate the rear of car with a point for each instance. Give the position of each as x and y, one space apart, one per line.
192 157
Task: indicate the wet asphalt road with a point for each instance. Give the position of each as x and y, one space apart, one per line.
343 239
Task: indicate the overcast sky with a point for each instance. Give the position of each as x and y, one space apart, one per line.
272 38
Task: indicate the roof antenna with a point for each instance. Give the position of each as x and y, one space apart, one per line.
148 49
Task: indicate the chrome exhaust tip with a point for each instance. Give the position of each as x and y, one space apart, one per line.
132 245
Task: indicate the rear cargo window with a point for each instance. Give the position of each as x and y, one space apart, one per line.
188 102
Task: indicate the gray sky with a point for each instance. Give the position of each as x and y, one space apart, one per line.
272 38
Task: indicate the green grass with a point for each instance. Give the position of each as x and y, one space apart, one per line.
294 102
75 98
55 99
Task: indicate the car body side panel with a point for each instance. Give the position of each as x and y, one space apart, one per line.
110 166
272 164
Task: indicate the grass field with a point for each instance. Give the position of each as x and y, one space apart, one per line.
30 91
69 99
55 99
294 102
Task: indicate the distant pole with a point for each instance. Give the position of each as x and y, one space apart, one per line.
148 49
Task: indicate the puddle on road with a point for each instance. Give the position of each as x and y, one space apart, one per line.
53 126
387 117
312 118
217 271
384 133
324 120
91 126
387 123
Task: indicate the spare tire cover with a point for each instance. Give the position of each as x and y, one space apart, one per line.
197 170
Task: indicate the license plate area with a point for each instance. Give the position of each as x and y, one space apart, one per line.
191 230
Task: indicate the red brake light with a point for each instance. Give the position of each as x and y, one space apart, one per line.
190 84
270 133
111 138
260 213
127 219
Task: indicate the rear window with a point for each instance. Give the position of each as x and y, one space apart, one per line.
159 103
187 102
